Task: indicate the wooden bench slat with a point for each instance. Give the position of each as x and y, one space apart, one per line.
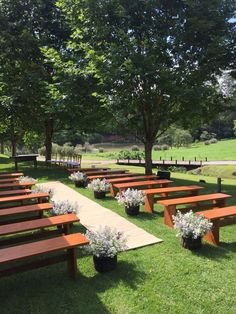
4 212
193 199
217 213
23 197
14 192
36 224
16 184
11 174
9 180
111 176
141 183
23 251
132 178
87 169
170 189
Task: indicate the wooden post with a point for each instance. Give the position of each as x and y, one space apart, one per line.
72 262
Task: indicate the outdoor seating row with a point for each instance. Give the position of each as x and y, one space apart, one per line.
20 230
70 162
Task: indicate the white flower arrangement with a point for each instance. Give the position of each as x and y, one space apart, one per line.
131 197
43 189
63 207
190 225
27 179
99 185
105 242
78 176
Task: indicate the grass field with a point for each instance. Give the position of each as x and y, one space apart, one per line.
222 150
163 278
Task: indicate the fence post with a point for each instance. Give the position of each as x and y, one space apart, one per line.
171 158
206 158
182 158
219 181
195 158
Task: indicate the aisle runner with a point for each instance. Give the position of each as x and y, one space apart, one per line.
93 215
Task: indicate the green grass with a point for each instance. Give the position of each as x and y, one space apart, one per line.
163 278
225 171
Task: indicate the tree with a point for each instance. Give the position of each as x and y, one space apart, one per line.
156 60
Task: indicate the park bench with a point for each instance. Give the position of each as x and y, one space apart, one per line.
134 178
105 172
140 185
9 180
17 185
13 213
164 193
112 176
87 169
220 217
62 223
14 192
170 205
38 197
11 175
66 244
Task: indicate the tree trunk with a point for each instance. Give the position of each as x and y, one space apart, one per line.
2 146
48 138
148 157
13 146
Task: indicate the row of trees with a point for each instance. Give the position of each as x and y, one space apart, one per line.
92 65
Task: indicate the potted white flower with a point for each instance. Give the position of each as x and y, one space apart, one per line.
43 189
99 187
63 207
79 178
191 228
105 244
27 179
132 199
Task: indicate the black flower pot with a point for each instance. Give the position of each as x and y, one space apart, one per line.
80 184
191 244
99 194
163 174
104 264
132 210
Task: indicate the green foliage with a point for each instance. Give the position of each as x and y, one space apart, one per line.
126 154
135 148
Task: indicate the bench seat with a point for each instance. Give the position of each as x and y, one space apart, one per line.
38 209
11 174
110 176
220 217
17 185
164 193
9 180
62 221
14 192
170 205
40 197
66 243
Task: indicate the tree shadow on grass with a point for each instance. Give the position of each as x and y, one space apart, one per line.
229 246
49 290
212 252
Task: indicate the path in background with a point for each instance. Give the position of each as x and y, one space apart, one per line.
92 215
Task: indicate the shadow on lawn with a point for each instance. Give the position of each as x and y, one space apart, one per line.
216 252
56 293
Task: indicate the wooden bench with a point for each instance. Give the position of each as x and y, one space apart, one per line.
164 193
170 205
17 184
12 212
62 222
104 172
66 244
220 217
39 197
129 179
111 176
14 192
9 180
11 174
141 185
86 169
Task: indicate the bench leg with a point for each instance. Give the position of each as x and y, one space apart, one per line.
219 203
213 236
169 211
149 202
72 262
112 191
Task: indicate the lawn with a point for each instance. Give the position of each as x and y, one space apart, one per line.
222 150
161 278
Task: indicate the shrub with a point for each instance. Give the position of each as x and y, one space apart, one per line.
157 147
27 179
101 150
165 147
135 148
42 151
213 140
207 143
177 169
